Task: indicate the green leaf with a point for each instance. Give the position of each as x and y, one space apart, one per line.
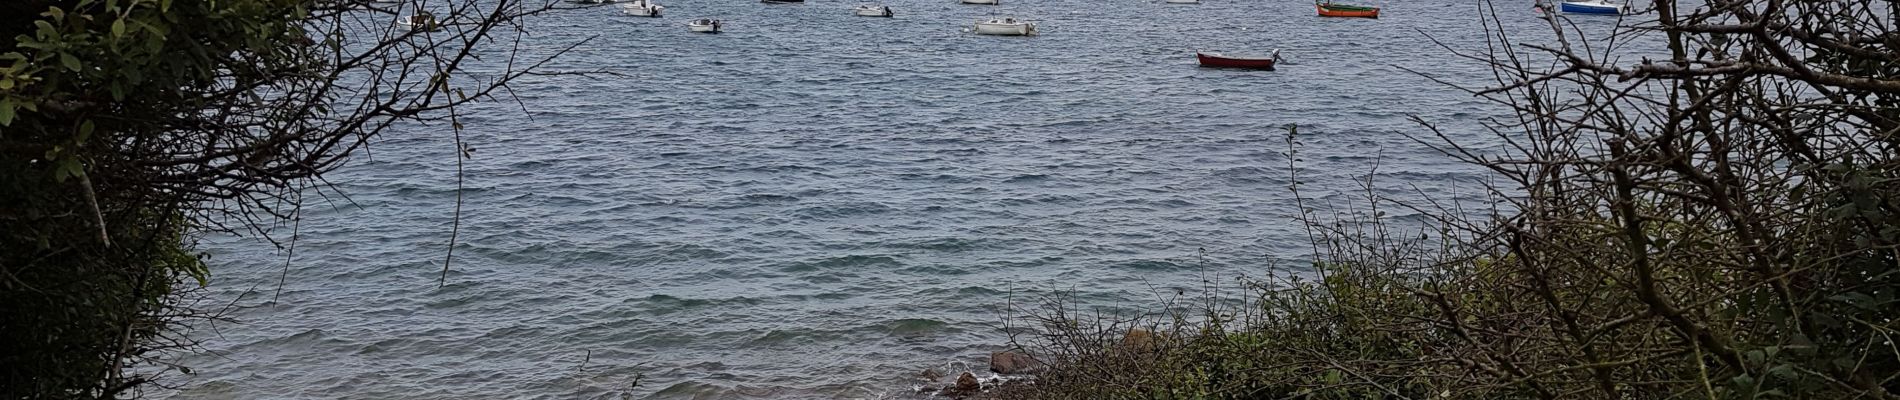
68 167
85 131
45 29
69 61
118 27
1856 299
6 111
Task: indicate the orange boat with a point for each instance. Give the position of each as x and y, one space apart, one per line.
1329 9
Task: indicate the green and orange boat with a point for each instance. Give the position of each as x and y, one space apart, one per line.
1328 8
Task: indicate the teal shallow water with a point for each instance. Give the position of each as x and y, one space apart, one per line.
814 205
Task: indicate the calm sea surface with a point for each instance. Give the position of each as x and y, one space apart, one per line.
817 205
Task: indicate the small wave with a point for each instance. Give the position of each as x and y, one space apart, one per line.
1148 265
690 390
854 261
1027 178
841 210
979 291
915 327
768 198
943 244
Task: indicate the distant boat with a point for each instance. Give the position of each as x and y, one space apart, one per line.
703 25
872 10
642 8
1596 7
1008 26
781 1
421 22
1183 1
984 2
1330 9
1218 60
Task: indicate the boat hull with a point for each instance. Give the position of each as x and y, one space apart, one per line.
1591 8
782 1
1219 61
1347 13
1184 1
1005 29
703 28
646 11
877 12
983 2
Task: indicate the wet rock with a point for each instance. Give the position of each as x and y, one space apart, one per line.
968 384
1014 363
931 374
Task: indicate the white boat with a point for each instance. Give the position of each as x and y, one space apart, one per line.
872 10
986 2
1598 7
642 8
1007 26
1183 1
703 25
421 22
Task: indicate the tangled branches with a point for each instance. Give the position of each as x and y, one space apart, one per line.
1718 221
128 127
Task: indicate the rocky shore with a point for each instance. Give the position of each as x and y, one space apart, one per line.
1010 369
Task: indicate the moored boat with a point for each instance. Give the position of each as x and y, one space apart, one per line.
1327 8
1007 26
872 10
1594 7
703 25
1218 60
642 8
421 22
983 2
1183 1
782 1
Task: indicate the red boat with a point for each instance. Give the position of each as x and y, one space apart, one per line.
1330 9
1218 60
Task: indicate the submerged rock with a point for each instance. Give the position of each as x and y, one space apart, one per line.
931 374
1014 363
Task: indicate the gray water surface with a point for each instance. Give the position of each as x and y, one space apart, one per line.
817 205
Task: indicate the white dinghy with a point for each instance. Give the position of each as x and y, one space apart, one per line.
872 10
642 8
421 22
703 25
984 2
1006 26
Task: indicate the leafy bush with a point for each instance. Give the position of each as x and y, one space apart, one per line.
1721 224
128 127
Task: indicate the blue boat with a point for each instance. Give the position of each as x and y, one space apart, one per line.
1594 7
